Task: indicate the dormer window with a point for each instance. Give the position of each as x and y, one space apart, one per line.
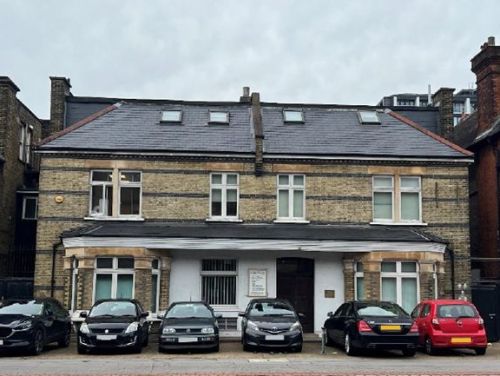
293 116
368 117
219 117
171 116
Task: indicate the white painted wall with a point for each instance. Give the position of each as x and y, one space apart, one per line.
185 280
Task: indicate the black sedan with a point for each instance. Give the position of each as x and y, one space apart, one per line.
189 325
371 325
114 324
271 323
31 324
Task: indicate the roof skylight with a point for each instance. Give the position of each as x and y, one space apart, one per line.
293 116
171 116
368 117
219 117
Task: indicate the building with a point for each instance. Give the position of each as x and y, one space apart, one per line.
20 128
168 200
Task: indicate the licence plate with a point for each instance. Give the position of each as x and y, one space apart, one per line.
278 337
106 337
1 342
461 340
188 339
390 328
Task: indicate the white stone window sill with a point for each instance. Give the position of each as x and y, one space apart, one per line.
399 223
136 219
298 221
221 219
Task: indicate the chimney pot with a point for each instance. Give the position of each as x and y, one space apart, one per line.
245 98
491 41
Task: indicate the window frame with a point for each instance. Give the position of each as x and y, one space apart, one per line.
358 274
25 140
291 188
129 185
114 271
410 190
166 121
210 121
103 184
223 186
221 273
23 212
292 121
384 190
399 275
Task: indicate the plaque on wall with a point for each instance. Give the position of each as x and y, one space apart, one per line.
329 293
257 282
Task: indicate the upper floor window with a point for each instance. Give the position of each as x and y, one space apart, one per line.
293 116
397 203
291 197
30 208
25 139
171 116
224 193
219 117
106 184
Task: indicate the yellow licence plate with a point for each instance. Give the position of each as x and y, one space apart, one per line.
461 340
390 328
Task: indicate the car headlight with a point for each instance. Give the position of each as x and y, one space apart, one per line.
168 330
132 328
208 330
252 326
23 325
296 326
84 328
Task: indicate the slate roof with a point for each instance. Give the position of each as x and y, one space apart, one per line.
328 130
252 231
427 117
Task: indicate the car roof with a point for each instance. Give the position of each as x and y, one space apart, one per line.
446 301
134 301
188 302
267 300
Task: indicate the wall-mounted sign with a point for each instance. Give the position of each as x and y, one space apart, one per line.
257 282
329 293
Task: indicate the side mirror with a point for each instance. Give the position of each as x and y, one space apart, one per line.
241 314
83 314
144 315
49 312
218 316
301 315
330 314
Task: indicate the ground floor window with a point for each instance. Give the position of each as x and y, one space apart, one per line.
359 282
218 281
114 278
399 283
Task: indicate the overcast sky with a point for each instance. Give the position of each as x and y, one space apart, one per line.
348 52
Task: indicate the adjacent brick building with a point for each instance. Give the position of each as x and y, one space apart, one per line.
222 201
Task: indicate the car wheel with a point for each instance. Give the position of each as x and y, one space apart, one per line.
146 341
38 342
349 349
81 349
298 349
65 340
409 352
216 348
480 351
246 347
161 350
429 347
137 347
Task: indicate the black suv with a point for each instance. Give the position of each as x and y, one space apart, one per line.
31 324
114 324
271 323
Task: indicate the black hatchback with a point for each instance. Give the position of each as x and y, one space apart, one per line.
371 325
114 324
32 324
271 323
189 325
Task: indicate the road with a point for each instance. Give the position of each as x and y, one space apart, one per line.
232 361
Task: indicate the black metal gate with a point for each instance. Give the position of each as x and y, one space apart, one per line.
486 297
11 288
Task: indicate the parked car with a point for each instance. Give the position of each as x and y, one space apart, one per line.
114 324
450 324
271 323
189 325
360 325
32 324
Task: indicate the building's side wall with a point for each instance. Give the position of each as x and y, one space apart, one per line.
179 191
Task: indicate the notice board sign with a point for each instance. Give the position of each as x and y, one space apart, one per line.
257 282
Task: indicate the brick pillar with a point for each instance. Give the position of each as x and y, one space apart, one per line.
59 89
371 273
165 267
348 279
443 98
142 288
426 278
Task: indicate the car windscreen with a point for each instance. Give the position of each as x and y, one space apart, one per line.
111 308
271 309
456 311
188 310
28 308
379 310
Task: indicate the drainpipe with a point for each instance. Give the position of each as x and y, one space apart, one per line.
53 273
452 259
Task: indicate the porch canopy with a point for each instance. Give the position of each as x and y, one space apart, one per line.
255 237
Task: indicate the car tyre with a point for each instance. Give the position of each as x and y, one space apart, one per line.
81 350
161 350
216 348
328 340
298 349
348 347
429 347
480 351
145 343
409 352
65 340
137 349
38 342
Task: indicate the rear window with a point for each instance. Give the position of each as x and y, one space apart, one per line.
179 311
380 310
456 311
271 309
112 308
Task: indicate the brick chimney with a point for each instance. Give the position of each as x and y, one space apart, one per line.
60 88
258 133
486 66
8 92
443 98
245 98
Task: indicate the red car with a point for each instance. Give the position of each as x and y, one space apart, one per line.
446 323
